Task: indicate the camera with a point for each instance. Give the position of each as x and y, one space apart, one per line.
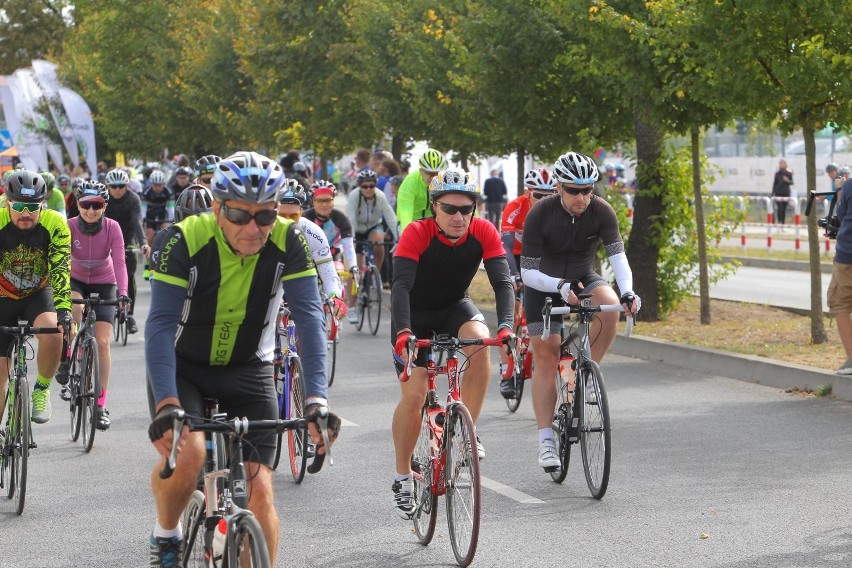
831 225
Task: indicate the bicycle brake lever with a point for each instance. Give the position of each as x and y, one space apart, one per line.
178 417
321 420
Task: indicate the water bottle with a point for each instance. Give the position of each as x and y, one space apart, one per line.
566 374
220 535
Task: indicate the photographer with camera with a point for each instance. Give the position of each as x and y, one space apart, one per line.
840 288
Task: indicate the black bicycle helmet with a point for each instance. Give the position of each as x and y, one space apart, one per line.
194 200
25 186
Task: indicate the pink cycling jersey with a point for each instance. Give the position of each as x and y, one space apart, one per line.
98 258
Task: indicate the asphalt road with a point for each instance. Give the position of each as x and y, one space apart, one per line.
763 475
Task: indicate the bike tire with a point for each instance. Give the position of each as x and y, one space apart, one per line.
297 440
425 501
5 457
331 346
116 325
561 426
192 519
90 391
249 545
124 328
595 443
463 484
360 301
281 393
21 443
373 300
75 402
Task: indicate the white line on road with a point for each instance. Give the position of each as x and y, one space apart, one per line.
346 422
509 492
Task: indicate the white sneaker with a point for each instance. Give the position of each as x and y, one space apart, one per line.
403 497
845 368
41 405
547 457
352 316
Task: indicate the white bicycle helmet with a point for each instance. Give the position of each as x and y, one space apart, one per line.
577 168
539 179
453 181
117 177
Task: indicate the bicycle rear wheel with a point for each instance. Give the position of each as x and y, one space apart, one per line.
425 502
331 345
20 449
297 439
192 520
562 421
373 299
90 390
463 484
249 548
594 428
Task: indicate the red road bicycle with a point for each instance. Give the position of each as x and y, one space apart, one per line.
445 460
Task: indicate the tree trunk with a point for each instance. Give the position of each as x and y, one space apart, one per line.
703 278
397 146
818 334
642 252
521 158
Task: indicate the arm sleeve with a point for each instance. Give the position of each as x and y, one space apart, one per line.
498 274
508 246
116 250
531 253
405 202
160 332
136 222
352 208
404 272
310 321
348 252
59 260
170 210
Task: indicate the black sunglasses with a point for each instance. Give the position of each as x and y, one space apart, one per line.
578 190
263 218
453 209
96 205
539 195
368 186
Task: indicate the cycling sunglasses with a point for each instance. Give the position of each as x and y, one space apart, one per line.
540 195
263 218
20 207
453 209
96 205
368 186
578 190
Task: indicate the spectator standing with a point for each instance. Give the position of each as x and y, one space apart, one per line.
781 189
496 197
840 287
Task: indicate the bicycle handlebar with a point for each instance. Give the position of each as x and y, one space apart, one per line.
241 427
585 307
95 302
451 343
27 329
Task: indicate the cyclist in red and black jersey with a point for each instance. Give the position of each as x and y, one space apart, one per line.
435 261
539 184
561 237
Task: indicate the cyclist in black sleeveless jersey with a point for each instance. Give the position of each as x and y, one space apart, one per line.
125 208
561 236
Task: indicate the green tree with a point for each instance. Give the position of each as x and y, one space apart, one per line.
790 62
31 29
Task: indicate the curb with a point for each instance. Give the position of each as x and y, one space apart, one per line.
747 368
778 264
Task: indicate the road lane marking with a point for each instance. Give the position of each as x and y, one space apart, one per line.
509 492
346 422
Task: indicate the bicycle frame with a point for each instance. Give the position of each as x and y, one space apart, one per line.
284 354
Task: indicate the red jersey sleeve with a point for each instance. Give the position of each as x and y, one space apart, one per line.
487 234
414 240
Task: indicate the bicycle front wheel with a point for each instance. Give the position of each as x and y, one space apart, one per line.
562 430
90 388
463 484
124 327
249 545
297 439
594 428
75 401
116 325
425 502
373 299
331 345
20 450
192 520
280 386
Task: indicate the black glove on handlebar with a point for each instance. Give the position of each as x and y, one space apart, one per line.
162 423
627 299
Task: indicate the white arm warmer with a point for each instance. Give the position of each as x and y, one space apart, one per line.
538 280
623 274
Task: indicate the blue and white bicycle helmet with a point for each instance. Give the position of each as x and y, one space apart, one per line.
576 168
248 177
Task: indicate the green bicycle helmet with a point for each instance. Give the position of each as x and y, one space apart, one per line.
432 161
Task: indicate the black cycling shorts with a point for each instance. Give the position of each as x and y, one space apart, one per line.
359 247
28 308
427 323
105 291
155 224
244 390
534 304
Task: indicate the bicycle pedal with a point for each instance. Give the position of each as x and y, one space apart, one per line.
551 469
65 395
33 445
